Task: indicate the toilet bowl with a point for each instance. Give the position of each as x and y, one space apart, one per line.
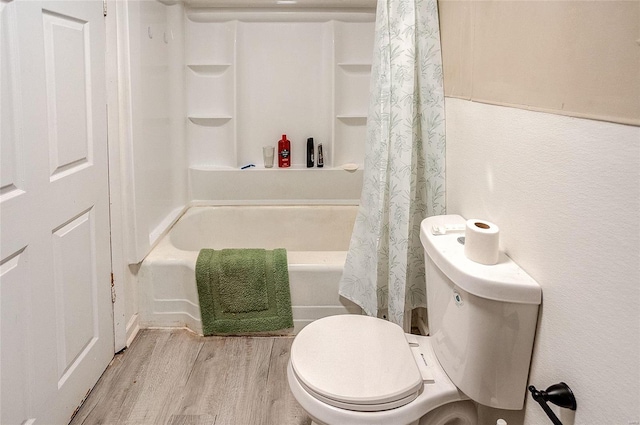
361 370
456 413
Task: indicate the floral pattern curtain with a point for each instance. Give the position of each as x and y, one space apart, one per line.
404 171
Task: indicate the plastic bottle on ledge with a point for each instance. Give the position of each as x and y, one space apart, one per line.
310 152
320 156
284 152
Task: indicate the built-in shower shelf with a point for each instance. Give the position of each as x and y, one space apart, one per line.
353 119
226 87
210 121
356 68
210 70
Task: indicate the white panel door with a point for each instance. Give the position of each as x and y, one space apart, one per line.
55 292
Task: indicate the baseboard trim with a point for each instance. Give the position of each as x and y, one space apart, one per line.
133 328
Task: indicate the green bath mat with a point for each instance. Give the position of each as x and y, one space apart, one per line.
243 291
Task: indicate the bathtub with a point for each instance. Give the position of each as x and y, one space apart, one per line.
316 238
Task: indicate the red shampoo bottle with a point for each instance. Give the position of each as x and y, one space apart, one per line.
284 152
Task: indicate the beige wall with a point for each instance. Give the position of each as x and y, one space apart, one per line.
577 58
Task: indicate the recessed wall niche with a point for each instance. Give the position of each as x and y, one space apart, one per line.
252 76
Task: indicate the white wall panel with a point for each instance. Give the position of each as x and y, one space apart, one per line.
565 193
283 87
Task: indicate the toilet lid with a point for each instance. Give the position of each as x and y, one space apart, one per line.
356 362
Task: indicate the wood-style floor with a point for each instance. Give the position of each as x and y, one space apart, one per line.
173 377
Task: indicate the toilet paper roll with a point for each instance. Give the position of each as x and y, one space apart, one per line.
481 240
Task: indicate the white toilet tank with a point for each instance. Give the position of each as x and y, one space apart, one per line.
482 319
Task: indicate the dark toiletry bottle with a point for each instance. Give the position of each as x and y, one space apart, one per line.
284 152
310 152
320 156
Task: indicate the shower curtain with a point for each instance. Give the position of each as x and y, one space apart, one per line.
404 162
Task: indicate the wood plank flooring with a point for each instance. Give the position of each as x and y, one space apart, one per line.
173 377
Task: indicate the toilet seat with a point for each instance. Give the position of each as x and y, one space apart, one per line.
374 407
435 390
357 363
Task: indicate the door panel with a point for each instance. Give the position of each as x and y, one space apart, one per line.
67 70
55 291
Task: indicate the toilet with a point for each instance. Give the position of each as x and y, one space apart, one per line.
361 370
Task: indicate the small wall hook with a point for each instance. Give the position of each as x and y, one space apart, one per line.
559 394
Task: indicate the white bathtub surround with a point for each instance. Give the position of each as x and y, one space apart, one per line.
253 75
152 125
404 162
206 85
566 195
316 238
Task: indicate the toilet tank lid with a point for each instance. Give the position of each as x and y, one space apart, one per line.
504 281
